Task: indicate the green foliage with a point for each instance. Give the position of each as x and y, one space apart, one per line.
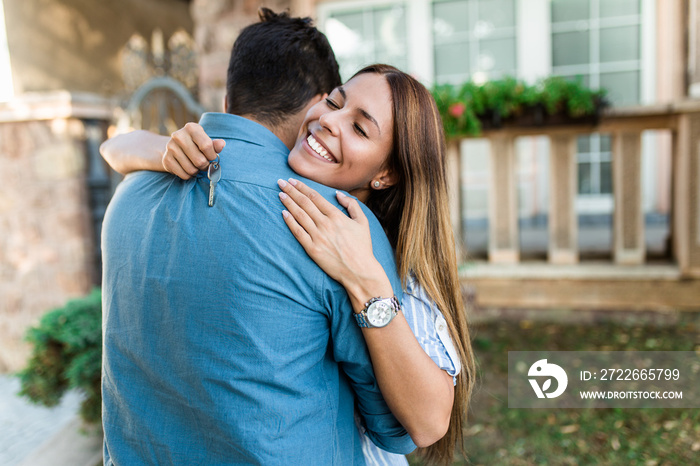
465 108
67 354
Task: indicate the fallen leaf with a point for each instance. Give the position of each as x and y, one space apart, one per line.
570 429
615 443
668 425
473 430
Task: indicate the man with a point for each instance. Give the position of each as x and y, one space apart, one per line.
223 342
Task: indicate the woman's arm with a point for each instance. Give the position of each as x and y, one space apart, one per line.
137 150
419 393
187 151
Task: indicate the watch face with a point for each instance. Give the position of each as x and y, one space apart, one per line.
379 313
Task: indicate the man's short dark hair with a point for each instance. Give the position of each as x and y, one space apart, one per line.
277 66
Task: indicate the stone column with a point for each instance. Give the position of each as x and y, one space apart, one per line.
563 222
303 8
628 218
47 240
504 241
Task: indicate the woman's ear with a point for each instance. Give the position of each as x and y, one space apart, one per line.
384 179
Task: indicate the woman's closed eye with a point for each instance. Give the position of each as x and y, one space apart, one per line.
332 104
359 130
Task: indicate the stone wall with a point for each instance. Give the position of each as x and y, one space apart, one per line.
46 235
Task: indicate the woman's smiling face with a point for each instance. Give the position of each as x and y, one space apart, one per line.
345 140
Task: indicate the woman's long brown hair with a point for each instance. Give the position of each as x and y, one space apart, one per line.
416 216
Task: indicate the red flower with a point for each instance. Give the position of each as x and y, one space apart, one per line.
457 109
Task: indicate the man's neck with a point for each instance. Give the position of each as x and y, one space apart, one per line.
283 131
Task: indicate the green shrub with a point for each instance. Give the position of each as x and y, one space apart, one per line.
67 354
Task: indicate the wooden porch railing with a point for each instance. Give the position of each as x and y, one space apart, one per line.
497 281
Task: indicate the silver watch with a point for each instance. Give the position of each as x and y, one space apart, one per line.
378 312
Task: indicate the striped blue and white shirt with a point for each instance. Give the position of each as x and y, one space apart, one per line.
429 327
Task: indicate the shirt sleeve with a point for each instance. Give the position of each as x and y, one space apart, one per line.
430 328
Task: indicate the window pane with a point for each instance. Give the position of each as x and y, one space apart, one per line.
618 44
389 26
570 48
605 178
450 17
570 10
497 13
583 144
605 142
584 178
398 61
477 199
610 8
349 65
584 79
351 21
623 87
345 34
451 59
497 55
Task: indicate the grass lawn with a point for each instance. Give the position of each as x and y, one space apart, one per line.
497 435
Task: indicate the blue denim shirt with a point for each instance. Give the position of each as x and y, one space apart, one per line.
224 343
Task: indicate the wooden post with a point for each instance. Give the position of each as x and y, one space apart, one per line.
504 241
686 195
454 191
563 221
628 217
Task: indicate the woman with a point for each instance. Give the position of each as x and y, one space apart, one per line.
378 137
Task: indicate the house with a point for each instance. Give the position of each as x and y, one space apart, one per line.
603 216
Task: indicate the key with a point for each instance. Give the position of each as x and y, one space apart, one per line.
214 175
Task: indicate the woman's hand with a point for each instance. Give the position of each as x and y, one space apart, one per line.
190 150
340 245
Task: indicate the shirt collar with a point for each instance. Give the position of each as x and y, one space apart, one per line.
228 126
